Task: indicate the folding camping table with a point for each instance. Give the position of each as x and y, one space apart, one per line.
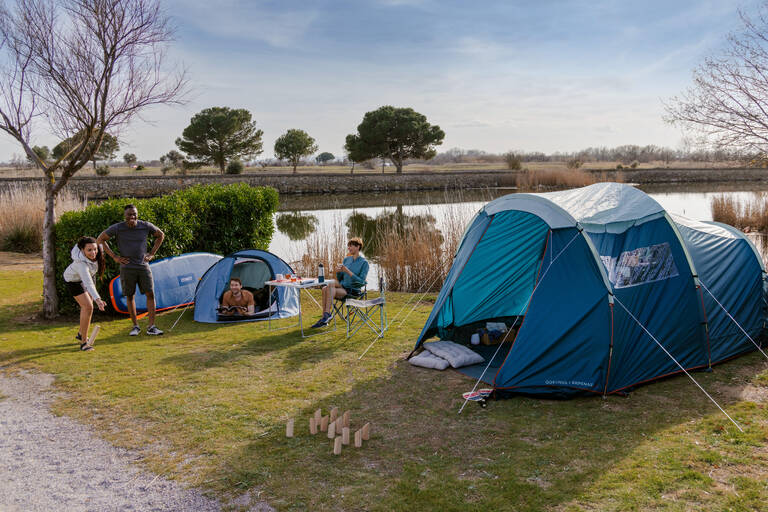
304 284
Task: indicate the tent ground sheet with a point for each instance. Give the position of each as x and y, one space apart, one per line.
487 351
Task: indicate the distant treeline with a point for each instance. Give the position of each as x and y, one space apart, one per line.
626 154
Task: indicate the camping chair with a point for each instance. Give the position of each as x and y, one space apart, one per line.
338 304
360 312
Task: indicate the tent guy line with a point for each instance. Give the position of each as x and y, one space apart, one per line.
734 320
676 362
490 361
428 284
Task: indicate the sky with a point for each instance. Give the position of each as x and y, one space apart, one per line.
545 75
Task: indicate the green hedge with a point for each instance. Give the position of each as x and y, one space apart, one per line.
213 218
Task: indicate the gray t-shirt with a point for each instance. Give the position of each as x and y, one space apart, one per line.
132 242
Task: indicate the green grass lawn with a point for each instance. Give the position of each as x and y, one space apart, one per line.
207 405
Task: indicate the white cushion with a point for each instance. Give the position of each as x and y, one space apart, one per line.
429 360
457 355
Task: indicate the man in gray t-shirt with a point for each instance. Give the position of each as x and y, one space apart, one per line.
131 237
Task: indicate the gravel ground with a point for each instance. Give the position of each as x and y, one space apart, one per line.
54 463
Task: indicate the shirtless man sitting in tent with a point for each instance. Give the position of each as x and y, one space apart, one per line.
236 301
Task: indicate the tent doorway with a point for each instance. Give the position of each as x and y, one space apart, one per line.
253 273
254 268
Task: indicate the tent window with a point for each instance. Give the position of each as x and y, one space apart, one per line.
640 266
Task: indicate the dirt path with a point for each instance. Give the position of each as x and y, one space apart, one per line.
19 261
53 463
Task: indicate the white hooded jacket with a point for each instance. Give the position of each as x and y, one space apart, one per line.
82 270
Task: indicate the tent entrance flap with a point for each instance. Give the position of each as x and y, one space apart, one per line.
501 273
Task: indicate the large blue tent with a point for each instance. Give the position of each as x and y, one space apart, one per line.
254 268
593 281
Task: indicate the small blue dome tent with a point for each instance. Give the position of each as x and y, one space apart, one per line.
254 267
583 274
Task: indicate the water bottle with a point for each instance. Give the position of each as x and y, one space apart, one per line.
320 273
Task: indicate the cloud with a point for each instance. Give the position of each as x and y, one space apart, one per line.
478 47
472 123
232 19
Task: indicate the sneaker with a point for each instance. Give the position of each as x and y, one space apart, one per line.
135 331
79 337
154 331
323 321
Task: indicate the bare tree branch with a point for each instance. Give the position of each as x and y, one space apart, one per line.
84 67
727 105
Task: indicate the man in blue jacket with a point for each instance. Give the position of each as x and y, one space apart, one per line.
350 275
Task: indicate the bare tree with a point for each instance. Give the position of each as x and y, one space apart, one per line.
727 105
81 67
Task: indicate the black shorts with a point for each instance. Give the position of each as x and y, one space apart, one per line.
75 288
130 277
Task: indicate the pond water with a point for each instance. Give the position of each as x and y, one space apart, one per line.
313 219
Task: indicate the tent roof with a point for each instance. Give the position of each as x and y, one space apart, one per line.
542 207
605 203
720 230
706 227
598 204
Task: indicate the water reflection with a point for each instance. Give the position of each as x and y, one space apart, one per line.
396 224
325 202
295 225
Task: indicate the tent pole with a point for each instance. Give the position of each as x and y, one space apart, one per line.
610 351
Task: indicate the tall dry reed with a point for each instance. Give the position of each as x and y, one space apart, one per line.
327 247
418 259
23 207
413 261
750 214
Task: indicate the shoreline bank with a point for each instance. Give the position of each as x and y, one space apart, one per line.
342 183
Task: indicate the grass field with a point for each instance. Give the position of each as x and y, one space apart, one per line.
207 405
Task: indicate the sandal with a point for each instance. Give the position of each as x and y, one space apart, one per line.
84 346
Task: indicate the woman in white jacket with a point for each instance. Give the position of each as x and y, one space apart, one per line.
87 261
